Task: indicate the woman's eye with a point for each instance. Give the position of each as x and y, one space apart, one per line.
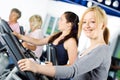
92 21
84 22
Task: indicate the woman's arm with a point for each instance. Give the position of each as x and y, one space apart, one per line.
87 63
32 40
29 46
82 65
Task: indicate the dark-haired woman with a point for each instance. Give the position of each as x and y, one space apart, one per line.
64 41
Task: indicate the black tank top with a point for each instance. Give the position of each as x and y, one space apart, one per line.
62 55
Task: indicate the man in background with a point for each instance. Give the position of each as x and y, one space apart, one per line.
15 14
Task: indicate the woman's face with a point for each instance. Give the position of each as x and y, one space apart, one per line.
33 24
62 23
89 25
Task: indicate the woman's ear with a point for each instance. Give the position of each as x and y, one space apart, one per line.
102 26
69 25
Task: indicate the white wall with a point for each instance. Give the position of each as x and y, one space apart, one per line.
57 8
114 27
27 7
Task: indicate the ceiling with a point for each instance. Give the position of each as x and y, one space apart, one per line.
112 7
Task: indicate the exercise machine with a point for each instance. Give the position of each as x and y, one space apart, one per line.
12 47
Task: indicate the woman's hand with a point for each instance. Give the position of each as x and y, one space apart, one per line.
48 63
25 44
28 65
29 46
16 34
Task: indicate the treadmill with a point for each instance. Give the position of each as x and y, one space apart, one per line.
11 46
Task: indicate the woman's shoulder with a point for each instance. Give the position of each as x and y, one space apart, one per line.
71 40
36 33
102 49
38 30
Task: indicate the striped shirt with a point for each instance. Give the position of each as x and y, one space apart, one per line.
15 27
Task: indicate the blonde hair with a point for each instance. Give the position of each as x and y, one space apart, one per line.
101 17
37 21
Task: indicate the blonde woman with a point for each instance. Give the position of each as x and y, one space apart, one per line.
35 32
